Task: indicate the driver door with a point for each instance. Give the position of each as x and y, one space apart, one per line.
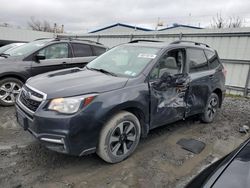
56 56
168 86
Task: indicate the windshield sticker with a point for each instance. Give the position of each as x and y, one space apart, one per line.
150 56
128 72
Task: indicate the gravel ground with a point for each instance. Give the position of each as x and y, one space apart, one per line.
157 162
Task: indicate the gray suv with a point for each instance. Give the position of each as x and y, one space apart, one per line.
42 56
117 98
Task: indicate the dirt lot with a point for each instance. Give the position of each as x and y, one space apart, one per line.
157 162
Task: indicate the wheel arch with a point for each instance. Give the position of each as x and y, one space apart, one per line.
13 75
218 92
135 108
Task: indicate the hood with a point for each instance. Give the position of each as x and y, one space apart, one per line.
4 60
10 61
73 82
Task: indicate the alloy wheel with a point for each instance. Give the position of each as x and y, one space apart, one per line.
212 108
123 138
9 92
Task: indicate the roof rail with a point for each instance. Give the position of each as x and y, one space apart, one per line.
187 41
144 40
75 38
42 39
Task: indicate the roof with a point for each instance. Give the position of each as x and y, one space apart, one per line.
180 25
123 25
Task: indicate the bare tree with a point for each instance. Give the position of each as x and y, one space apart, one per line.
231 22
235 22
219 22
38 25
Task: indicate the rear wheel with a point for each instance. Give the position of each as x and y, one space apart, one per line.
119 137
9 89
211 109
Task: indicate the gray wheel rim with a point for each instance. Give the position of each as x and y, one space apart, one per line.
123 138
9 91
212 108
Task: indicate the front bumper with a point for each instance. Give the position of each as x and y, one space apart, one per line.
70 134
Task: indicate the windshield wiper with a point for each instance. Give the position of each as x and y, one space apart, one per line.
103 71
4 55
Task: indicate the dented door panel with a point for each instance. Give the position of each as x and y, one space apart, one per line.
168 101
198 92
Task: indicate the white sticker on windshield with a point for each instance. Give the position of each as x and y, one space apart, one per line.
128 72
150 56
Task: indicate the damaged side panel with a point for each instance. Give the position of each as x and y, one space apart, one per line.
168 102
198 92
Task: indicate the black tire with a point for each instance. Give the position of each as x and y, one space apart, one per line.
211 109
9 89
113 146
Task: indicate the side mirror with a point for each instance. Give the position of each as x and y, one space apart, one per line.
180 81
166 77
39 57
174 80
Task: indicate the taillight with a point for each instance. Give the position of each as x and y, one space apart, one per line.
224 71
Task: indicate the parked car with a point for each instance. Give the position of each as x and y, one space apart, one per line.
7 47
121 95
231 171
41 56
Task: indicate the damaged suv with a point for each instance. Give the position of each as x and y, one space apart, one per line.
117 98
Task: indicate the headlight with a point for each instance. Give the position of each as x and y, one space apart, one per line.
70 105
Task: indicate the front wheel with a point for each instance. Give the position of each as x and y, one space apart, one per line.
119 137
211 109
9 89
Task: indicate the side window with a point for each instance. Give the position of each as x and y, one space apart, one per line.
172 63
212 59
81 50
98 50
197 60
55 51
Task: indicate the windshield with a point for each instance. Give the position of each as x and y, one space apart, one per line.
125 60
26 48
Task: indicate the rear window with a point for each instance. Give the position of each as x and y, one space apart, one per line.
98 50
212 58
197 60
81 50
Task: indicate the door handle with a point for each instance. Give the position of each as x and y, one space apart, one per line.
211 76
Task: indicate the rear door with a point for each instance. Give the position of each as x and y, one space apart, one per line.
200 81
57 56
82 55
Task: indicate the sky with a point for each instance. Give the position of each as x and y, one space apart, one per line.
87 15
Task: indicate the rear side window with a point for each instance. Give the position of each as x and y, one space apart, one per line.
212 59
98 50
197 60
81 50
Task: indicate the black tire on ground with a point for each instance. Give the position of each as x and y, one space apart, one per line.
211 109
9 89
119 137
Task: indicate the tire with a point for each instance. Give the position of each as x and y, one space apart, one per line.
9 89
111 147
211 109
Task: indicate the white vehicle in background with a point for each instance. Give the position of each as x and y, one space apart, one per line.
11 46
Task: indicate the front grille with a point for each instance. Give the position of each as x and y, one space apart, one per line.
30 98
